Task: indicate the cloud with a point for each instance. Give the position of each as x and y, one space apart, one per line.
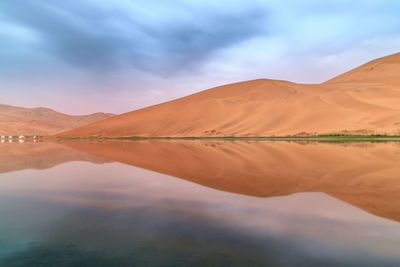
101 36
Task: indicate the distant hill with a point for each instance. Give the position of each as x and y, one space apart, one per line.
41 121
365 100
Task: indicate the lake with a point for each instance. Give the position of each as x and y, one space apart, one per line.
199 203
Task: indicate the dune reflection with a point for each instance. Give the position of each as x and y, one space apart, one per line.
39 156
366 175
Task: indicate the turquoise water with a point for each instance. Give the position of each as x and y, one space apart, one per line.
81 210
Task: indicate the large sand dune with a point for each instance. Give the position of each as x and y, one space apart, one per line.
40 121
365 100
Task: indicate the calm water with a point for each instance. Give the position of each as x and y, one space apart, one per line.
199 203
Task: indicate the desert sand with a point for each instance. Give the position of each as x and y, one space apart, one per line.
365 100
361 174
41 121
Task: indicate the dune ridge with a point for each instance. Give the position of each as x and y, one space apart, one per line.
365 100
41 121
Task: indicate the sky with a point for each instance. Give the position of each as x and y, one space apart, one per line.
85 56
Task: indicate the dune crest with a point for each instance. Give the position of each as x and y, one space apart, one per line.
365 100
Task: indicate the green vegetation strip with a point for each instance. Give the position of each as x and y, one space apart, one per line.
327 137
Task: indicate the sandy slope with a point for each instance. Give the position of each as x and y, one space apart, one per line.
385 70
362 174
365 100
40 121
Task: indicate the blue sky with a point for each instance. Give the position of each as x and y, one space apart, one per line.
82 56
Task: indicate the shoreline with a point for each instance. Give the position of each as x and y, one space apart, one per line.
254 138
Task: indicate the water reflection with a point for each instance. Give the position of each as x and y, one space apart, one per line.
363 174
84 214
44 155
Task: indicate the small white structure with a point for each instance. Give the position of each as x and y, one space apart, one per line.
21 137
2 140
10 137
3 137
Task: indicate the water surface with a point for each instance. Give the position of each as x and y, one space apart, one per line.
199 203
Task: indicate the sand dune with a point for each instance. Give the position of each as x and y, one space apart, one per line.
362 174
385 70
41 121
365 100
